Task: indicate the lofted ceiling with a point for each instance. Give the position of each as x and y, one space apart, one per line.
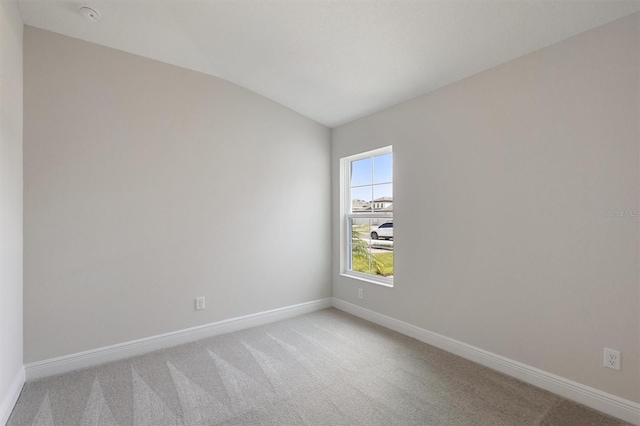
331 60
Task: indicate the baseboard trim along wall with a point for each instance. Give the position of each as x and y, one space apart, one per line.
610 404
118 351
11 397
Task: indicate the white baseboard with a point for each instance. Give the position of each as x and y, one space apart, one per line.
607 403
11 397
118 351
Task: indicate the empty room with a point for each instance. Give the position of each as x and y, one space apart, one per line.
199 201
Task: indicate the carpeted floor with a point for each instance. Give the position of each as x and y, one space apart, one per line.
324 368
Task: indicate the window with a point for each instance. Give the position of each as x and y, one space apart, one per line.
367 209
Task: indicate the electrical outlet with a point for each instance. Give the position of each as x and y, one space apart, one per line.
199 303
612 359
360 294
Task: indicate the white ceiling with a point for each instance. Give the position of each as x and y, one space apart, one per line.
331 60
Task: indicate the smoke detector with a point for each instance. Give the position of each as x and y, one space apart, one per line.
89 14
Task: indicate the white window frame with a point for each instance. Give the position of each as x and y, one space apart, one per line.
346 216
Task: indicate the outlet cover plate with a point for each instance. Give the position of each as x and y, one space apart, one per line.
199 303
612 359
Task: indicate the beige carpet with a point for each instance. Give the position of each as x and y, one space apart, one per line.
324 368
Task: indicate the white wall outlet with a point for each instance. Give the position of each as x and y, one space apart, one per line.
360 294
199 303
612 359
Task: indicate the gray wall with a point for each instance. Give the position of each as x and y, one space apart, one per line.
147 185
502 182
10 198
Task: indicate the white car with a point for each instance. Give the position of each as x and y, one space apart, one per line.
384 231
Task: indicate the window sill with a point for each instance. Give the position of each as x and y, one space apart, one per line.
368 279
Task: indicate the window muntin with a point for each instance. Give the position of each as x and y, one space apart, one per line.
368 214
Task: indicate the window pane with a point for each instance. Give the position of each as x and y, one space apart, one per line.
361 199
382 247
360 230
383 197
371 246
360 259
361 172
383 168
359 247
